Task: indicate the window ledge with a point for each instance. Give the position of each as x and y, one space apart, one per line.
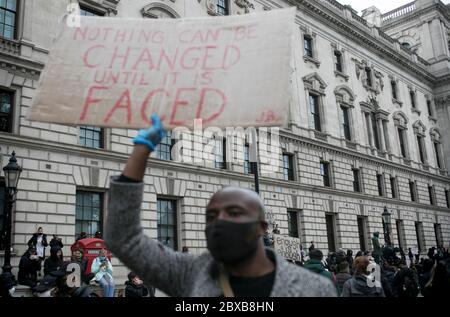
368 88
416 110
311 60
406 161
425 167
398 102
321 135
443 172
432 119
341 74
350 144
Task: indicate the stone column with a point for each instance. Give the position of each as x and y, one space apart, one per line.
370 130
386 137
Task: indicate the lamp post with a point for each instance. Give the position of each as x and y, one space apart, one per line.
386 221
12 174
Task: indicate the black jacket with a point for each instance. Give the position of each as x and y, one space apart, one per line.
132 290
56 243
52 263
33 241
27 268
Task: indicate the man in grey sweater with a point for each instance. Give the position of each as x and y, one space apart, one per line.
237 263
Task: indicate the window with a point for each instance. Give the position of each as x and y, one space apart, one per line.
331 229
362 232
6 111
167 223
400 233
380 183
293 224
429 108
413 190
421 145
2 216
401 138
406 45
394 187
222 7
368 76
431 194
420 236
8 13
437 152
164 149
338 57
438 235
308 46
315 112
447 198
346 123
89 213
412 94
325 173
91 137
220 153
376 136
247 164
357 180
89 13
394 89
288 167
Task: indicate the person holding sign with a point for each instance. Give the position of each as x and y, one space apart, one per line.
237 263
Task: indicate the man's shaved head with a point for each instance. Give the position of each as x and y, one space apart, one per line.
231 196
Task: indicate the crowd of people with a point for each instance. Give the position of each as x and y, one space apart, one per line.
390 275
51 276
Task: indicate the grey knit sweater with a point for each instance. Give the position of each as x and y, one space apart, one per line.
185 275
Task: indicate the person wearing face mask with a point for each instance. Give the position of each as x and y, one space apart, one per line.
39 242
103 271
237 263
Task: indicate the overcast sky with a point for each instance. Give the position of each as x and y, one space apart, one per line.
383 5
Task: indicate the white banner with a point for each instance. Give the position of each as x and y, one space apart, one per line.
287 247
115 72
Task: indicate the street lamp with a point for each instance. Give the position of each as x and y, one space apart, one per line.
12 174
386 221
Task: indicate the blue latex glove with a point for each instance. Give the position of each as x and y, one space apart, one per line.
152 136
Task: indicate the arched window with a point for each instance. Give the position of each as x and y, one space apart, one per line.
345 99
419 131
436 138
158 10
401 124
315 91
406 45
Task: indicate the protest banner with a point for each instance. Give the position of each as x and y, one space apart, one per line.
115 72
287 247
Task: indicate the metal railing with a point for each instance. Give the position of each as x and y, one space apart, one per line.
407 8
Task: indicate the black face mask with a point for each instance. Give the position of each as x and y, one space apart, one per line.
230 242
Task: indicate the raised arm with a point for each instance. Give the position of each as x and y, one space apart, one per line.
155 264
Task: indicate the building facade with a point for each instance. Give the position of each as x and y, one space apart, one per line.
368 129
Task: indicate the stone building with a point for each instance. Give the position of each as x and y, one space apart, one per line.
368 129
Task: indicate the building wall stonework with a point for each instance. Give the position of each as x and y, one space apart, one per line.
55 166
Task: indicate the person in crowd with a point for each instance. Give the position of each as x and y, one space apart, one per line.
135 287
361 284
387 279
83 235
425 276
54 262
103 270
311 246
349 259
358 254
7 285
29 266
410 255
342 276
185 249
439 282
406 283
39 242
315 265
56 242
236 264
98 235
